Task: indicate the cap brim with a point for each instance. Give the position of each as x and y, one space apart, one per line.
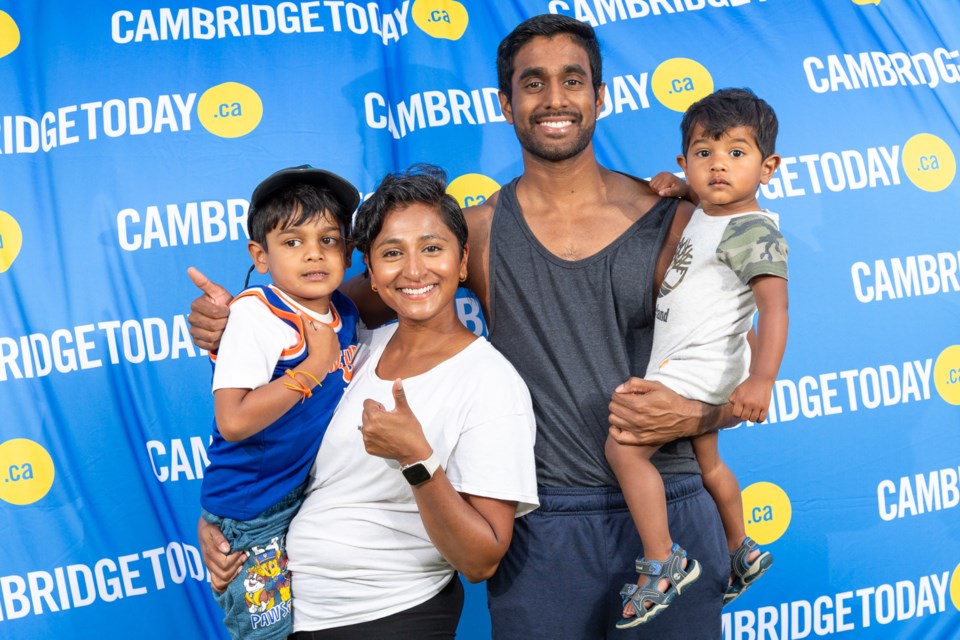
344 192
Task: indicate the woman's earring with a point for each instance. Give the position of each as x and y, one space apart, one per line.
463 278
373 286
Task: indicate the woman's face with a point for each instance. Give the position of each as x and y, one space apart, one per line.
415 264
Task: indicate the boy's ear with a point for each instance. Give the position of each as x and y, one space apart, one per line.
259 255
348 246
682 162
768 167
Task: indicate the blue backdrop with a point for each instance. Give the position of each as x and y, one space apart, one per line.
132 133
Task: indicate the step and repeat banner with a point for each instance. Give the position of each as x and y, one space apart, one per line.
132 134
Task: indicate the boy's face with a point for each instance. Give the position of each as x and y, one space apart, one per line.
726 173
305 262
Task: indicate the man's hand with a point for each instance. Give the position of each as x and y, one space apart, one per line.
223 565
648 413
208 313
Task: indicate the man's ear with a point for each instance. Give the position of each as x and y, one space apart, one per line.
601 96
505 107
259 255
768 167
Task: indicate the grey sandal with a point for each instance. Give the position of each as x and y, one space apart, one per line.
745 573
670 569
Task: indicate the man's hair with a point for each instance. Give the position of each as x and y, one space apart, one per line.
547 25
420 184
293 206
728 108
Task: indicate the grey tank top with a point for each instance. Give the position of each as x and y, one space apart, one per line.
575 330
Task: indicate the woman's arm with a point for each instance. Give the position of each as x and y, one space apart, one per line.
471 532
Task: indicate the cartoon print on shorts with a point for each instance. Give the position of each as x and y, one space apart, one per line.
267 584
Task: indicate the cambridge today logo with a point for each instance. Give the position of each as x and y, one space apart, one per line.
441 19
11 239
767 512
679 82
26 471
230 110
472 189
9 34
928 162
946 374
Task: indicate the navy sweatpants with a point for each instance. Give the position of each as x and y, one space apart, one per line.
569 559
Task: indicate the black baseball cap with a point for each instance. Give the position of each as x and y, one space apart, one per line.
344 192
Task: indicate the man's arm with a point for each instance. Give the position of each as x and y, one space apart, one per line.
223 565
648 413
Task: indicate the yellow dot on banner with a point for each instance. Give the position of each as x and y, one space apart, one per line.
230 110
26 471
472 189
11 239
766 511
946 374
955 588
445 19
928 162
679 82
9 34
866 2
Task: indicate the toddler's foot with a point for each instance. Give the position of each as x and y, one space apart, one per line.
645 600
746 565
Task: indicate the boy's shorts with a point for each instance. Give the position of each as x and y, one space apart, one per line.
258 604
569 559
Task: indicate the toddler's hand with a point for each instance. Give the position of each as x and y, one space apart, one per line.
751 399
668 185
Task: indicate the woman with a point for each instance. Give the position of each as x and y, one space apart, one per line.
429 456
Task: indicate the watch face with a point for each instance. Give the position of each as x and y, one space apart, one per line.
416 474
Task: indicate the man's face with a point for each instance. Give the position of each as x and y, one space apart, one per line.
554 107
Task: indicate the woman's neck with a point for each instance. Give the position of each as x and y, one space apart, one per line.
416 348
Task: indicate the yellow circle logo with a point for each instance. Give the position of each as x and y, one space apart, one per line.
26 471
11 240
230 110
766 512
955 588
946 374
679 82
472 189
446 19
862 2
9 34
929 162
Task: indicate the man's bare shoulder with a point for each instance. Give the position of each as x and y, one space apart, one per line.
630 191
480 216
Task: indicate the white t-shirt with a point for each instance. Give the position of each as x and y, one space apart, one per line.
253 340
358 548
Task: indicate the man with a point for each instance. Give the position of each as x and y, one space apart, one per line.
566 261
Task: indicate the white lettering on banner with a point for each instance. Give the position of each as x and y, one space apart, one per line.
918 494
108 579
172 225
432 109
113 118
845 611
922 275
832 393
247 20
87 346
600 12
170 460
872 69
846 170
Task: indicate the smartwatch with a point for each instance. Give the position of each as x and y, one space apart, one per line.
419 472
